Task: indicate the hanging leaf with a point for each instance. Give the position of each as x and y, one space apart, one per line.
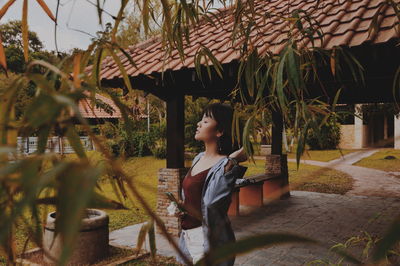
333 62
99 12
118 19
391 237
3 61
4 9
248 244
46 9
25 38
76 72
141 237
75 141
122 69
152 239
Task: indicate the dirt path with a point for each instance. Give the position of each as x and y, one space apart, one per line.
368 182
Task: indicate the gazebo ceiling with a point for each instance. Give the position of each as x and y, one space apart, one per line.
343 23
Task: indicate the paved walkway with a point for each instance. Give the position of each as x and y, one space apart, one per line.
367 181
329 218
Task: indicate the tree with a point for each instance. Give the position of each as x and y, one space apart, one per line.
11 34
133 30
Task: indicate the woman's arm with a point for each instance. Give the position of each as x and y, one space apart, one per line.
239 155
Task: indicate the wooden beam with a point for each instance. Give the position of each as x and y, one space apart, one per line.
277 128
175 131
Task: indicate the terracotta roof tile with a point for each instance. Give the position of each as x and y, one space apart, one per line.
87 111
343 23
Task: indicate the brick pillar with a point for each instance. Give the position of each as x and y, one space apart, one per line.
169 180
276 167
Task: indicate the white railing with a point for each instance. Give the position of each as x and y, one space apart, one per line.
28 145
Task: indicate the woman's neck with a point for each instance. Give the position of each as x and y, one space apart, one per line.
211 150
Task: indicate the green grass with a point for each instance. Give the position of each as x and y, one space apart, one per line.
310 178
378 161
321 155
142 169
145 171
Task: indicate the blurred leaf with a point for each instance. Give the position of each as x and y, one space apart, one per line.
101 202
75 191
42 110
98 201
122 69
3 61
76 72
4 9
145 16
391 237
46 9
75 141
25 38
118 19
142 236
251 243
152 238
99 12
333 62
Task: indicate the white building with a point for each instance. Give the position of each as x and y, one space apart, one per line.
377 129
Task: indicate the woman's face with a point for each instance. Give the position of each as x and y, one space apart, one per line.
206 129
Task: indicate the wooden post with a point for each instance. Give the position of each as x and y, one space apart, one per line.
169 178
277 129
276 149
175 131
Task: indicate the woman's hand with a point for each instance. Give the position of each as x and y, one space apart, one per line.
240 155
179 213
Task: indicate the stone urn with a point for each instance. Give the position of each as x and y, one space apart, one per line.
92 242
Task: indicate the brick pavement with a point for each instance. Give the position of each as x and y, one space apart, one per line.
329 218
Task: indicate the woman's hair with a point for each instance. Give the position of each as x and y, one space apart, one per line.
223 114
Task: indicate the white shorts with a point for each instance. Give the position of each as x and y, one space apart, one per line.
194 239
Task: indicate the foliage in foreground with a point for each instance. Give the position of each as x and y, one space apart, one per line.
70 186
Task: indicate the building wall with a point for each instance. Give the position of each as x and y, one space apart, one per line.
347 137
353 137
397 133
365 138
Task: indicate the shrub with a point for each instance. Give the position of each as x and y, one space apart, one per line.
160 149
327 137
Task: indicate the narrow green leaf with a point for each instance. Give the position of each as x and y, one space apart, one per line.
125 76
75 141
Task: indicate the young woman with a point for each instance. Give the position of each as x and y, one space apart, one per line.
208 185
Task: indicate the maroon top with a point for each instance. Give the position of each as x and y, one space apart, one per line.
192 187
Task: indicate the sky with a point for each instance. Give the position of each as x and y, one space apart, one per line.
73 14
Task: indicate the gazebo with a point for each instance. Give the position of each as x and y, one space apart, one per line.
344 24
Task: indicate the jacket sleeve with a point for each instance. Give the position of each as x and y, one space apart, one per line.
221 188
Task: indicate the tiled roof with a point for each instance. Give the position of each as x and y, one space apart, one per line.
343 23
86 110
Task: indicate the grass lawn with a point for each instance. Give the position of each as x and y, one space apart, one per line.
378 161
323 156
310 178
145 171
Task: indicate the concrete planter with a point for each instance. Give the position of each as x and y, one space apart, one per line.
265 149
92 243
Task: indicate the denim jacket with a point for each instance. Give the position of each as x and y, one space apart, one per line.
216 198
